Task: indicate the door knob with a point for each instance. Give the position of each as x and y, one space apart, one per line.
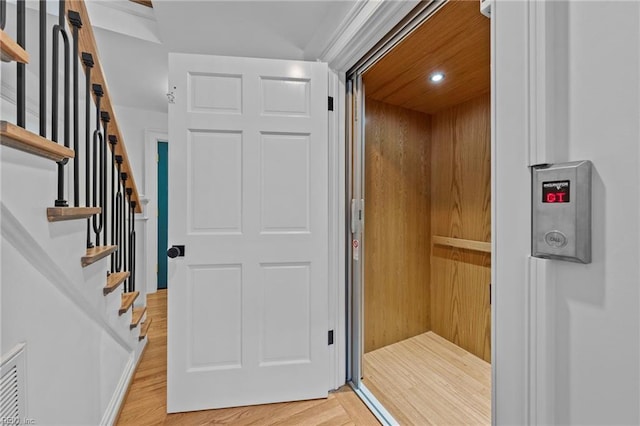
175 251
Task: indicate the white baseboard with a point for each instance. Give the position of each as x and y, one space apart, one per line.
113 409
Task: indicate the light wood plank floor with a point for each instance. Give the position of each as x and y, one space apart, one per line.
146 402
429 380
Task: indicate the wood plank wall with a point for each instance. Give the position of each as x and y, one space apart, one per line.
461 208
397 224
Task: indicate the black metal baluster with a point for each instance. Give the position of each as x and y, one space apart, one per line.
43 68
59 30
104 115
76 22
98 166
118 215
87 61
132 247
128 238
3 14
113 140
123 229
22 79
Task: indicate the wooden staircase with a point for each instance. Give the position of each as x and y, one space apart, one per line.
144 329
19 138
127 301
114 280
137 315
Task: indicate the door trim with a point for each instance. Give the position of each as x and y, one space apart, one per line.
548 109
529 103
151 138
337 236
162 150
371 22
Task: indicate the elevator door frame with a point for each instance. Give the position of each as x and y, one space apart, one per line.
526 67
355 193
355 198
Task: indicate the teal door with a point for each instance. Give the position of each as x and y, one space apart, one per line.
163 207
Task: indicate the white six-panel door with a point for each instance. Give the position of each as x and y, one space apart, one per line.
248 190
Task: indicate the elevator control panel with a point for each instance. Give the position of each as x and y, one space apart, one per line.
561 211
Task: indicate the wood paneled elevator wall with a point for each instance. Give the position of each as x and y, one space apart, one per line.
427 175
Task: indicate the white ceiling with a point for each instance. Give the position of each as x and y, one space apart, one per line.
266 29
134 41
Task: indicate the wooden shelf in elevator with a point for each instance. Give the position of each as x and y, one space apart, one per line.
461 243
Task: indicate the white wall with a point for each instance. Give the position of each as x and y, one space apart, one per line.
566 88
78 349
137 127
133 123
597 305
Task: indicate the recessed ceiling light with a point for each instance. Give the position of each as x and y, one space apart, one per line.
436 77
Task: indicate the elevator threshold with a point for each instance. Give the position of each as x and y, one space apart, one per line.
428 380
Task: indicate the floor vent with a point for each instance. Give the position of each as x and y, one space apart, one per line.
12 381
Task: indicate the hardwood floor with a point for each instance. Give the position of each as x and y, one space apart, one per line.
428 380
146 401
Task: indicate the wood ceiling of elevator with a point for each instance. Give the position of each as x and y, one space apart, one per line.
456 41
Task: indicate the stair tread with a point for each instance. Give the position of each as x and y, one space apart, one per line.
137 315
11 50
145 328
144 3
57 214
24 140
127 301
114 280
96 253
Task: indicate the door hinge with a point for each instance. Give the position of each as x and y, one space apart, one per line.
330 337
330 103
171 95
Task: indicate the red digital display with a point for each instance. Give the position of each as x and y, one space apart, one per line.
556 192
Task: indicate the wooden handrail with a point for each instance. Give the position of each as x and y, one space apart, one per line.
87 43
460 243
